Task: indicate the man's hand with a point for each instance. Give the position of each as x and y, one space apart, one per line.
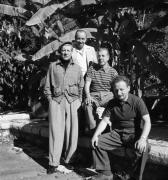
141 145
94 141
89 100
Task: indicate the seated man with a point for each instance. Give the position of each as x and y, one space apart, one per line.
125 113
99 78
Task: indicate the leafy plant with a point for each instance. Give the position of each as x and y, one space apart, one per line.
136 35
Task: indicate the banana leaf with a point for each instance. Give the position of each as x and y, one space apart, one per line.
44 13
11 10
160 22
43 2
46 50
153 36
87 2
20 3
54 45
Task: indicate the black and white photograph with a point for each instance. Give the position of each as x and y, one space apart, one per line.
83 89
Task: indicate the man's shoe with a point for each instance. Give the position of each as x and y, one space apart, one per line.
63 169
69 166
102 177
52 169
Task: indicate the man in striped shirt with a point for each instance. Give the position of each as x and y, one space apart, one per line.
98 87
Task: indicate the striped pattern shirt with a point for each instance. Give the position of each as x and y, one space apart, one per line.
101 78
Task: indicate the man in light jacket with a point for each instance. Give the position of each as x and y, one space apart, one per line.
83 54
63 89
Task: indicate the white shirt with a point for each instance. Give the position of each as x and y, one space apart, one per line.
81 59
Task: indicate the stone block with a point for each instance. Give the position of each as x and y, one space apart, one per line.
12 116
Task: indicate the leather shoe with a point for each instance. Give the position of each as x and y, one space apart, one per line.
69 166
52 169
102 177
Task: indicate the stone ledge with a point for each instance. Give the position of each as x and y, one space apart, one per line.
39 128
13 119
159 152
14 116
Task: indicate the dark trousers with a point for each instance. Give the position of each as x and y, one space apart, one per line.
111 142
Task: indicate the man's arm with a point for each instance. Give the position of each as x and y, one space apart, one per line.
81 85
101 127
47 87
87 91
147 126
142 142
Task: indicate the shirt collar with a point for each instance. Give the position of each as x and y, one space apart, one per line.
128 101
59 62
106 68
81 51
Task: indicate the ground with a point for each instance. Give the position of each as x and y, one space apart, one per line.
20 160
29 163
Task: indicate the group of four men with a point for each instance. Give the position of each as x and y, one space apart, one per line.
64 91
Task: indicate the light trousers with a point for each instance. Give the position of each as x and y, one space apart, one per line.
101 99
63 130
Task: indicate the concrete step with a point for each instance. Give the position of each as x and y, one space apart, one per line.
36 131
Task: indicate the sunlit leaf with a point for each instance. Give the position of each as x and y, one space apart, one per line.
20 57
45 12
11 10
87 2
20 3
43 2
35 31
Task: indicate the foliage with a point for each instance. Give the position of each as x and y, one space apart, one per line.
159 49
14 77
136 35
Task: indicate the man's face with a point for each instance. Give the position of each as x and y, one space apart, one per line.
103 57
66 52
121 90
80 39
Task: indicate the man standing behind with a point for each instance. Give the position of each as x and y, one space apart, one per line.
63 89
124 114
98 82
83 54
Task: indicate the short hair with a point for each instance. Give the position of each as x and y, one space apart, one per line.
80 30
64 44
119 79
103 48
